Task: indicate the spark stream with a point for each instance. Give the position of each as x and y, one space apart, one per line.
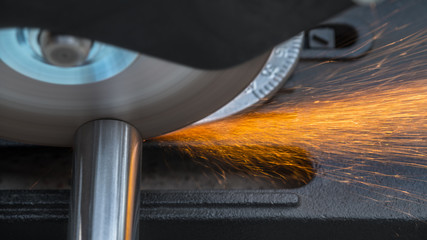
364 115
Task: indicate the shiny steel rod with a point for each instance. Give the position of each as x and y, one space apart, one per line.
106 182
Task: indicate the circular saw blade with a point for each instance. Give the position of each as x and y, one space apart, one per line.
153 95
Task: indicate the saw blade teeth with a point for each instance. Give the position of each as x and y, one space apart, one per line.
269 80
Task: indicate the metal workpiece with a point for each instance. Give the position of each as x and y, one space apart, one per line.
106 182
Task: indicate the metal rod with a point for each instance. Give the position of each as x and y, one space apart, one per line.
106 182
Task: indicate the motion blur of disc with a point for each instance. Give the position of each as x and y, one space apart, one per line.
153 95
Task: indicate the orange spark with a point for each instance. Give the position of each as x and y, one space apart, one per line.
369 112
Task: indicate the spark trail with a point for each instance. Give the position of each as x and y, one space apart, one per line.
367 118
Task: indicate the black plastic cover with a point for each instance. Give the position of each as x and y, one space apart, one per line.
200 33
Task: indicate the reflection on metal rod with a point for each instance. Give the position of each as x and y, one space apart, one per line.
106 182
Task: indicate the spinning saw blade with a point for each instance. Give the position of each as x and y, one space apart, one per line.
42 103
